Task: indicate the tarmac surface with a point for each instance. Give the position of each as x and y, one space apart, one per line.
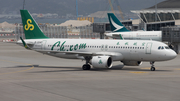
30 76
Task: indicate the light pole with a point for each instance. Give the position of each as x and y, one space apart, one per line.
23 4
155 11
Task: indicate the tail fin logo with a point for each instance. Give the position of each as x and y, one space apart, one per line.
118 27
29 25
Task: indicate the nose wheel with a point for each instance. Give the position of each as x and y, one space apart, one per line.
152 66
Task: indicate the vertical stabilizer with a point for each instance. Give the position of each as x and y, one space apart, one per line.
116 25
31 29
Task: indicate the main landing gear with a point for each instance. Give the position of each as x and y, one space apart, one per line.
87 66
152 66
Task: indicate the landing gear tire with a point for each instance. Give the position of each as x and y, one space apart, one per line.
86 67
153 68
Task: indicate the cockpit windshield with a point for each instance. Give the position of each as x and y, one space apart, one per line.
163 47
159 47
167 47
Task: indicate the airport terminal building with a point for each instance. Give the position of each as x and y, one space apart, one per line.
165 17
163 14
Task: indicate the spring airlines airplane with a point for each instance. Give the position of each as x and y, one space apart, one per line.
97 53
120 32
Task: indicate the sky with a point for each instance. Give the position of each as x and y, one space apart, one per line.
68 6
65 7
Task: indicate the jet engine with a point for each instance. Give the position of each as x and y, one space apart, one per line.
101 62
132 63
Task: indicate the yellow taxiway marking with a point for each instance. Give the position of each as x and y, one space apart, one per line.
177 69
17 63
146 68
138 72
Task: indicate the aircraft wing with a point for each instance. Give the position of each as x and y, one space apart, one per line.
80 53
84 54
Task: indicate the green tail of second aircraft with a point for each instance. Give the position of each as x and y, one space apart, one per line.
31 29
116 25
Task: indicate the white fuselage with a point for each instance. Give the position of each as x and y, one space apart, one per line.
119 50
137 35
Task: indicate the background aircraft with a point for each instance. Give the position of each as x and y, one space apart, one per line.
120 32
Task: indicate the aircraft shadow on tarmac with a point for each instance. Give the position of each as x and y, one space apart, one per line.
128 68
66 69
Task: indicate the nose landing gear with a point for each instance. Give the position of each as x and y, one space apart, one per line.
152 66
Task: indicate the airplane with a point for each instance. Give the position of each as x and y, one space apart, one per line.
120 32
97 53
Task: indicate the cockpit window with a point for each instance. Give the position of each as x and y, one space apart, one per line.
167 47
159 47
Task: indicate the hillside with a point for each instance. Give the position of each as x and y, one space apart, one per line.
63 7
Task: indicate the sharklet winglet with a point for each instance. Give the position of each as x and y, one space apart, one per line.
24 43
121 37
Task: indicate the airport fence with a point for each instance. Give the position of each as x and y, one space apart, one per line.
84 32
49 31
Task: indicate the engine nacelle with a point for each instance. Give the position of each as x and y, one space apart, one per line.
101 62
132 63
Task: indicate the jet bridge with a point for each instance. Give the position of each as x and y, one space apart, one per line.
171 34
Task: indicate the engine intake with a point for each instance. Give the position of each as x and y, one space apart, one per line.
101 62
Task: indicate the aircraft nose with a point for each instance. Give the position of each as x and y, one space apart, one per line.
172 54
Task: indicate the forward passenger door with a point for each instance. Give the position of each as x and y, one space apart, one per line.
148 48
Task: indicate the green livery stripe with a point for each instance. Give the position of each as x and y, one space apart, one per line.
31 29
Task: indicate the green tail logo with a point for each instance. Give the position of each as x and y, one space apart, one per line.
31 29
